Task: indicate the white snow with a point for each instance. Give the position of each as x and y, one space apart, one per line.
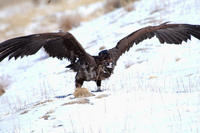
158 92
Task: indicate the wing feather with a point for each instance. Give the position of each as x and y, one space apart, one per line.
166 33
176 36
60 45
160 37
195 31
166 37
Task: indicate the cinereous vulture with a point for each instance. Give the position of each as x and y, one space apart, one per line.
88 67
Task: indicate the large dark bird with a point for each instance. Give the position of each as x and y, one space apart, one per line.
88 67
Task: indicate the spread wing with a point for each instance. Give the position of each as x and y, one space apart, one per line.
60 45
166 33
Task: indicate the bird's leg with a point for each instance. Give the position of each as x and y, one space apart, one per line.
81 92
78 83
98 82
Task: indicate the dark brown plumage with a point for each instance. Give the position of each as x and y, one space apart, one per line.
95 68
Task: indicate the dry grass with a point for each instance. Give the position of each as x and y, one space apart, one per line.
102 48
102 96
37 2
47 115
153 77
82 92
177 59
42 103
79 101
31 13
2 91
4 3
24 112
129 7
4 83
69 21
16 28
111 5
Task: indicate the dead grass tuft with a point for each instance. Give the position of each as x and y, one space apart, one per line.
177 59
2 91
82 92
153 77
4 3
43 103
102 96
36 2
47 115
80 101
129 7
70 21
111 5
102 48
24 112
4 83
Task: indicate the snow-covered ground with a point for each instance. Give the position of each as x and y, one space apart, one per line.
155 88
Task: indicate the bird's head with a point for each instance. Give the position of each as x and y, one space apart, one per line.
104 54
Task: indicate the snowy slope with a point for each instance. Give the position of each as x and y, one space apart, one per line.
155 88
